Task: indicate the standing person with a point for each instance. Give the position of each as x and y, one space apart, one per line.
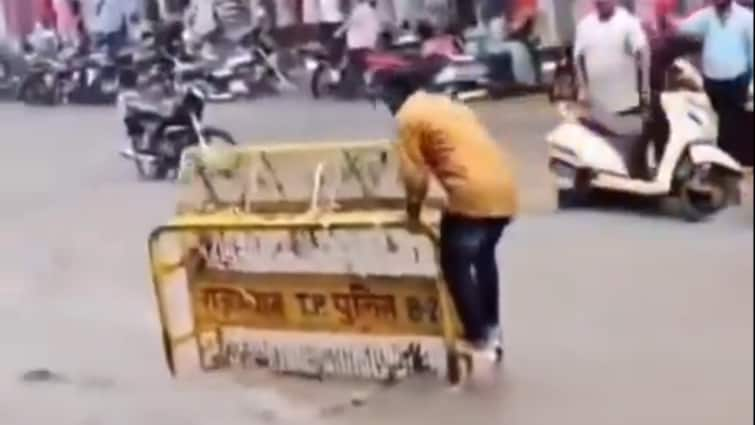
83 39
445 140
666 46
331 18
68 25
48 14
3 24
200 17
362 30
112 25
726 29
522 20
609 45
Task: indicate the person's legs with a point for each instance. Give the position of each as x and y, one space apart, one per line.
638 164
728 98
460 244
740 125
659 128
486 272
354 73
715 90
334 46
501 68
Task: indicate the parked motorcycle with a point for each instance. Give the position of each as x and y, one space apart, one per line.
71 78
243 66
159 128
598 151
503 68
43 84
338 78
9 81
95 79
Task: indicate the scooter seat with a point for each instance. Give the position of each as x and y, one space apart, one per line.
610 124
625 135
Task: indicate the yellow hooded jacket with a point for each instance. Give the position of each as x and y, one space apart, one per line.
443 138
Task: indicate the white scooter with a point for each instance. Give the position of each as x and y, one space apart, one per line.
595 153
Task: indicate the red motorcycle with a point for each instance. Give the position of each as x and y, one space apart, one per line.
348 79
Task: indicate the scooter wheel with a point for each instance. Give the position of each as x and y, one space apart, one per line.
697 205
571 198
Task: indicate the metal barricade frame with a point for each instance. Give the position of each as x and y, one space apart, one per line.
203 330
277 178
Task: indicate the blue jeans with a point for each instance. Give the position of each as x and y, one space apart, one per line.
469 267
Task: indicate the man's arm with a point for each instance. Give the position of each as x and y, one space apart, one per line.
347 23
580 66
694 25
412 169
641 49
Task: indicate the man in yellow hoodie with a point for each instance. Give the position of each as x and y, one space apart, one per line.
443 139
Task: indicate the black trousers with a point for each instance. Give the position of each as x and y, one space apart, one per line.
468 262
353 83
728 98
326 35
658 128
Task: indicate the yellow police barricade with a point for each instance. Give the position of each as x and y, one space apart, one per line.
278 178
271 264
349 294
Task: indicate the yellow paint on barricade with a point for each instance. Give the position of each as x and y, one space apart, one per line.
279 178
326 293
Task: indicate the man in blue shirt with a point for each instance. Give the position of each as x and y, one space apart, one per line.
112 24
726 29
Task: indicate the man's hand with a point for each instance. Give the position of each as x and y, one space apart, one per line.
645 98
413 222
583 98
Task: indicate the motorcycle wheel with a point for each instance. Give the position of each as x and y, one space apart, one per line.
702 199
145 169
34 91
579 193
320 84
150 171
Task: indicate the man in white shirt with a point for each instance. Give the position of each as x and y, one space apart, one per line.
609 45
362 32
331 12
363 26
331 16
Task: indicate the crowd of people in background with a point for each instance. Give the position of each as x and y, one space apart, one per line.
610 41
607 40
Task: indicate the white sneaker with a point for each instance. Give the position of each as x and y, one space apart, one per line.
483 350
495 340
